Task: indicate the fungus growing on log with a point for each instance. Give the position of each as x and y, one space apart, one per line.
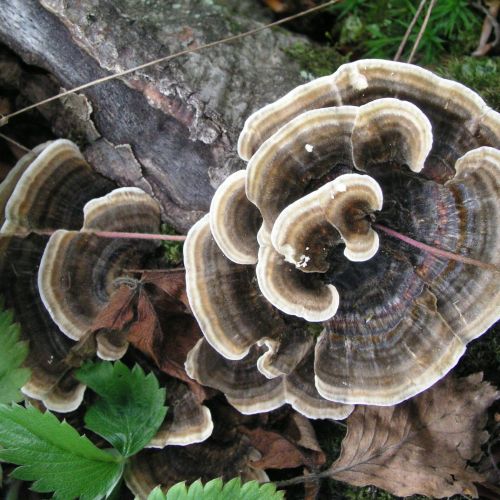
78 270
46 190
336 169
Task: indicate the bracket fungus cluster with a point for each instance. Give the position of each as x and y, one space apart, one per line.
301 296
58 272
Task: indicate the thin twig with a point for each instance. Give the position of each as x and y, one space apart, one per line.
490 14
402 45
116 234
437 251
12 141
422 30
231 38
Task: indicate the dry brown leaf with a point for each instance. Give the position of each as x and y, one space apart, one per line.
420 446
118 312
295 446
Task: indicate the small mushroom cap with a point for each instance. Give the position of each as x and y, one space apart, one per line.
292 291
8 185
299 232
52 190
313 146
251 392
391 131
78 269
234 221
224 296
187 421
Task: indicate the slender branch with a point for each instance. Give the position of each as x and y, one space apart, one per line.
422 31
12 141
115 234
136 236
437 251
402 45
231 38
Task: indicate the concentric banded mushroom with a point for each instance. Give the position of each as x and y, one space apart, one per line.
335 168
78 270
46 190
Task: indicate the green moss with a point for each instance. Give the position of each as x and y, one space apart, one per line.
480 74
315 329
315 60
172 250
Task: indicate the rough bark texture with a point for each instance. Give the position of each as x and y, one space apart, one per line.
170 129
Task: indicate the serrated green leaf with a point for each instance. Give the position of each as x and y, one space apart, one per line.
217 490
55 456
131 405
12 355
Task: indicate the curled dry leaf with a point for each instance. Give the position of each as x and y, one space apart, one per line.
422 445
295 446
155 316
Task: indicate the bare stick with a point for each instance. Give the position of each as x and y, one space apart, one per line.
117 234
402 45
12 141
422 31
232 38
437 251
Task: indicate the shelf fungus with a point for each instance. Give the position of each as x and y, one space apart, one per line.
79 269
46 190
358 253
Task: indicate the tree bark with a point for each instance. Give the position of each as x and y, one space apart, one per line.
171 129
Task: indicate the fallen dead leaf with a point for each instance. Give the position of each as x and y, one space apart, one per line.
420 446
295 446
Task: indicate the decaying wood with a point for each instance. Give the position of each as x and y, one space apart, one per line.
171 129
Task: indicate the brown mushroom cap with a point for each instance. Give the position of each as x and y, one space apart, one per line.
249 391
187 420
78 270
52 190
235 317
53 184
234 221
404 314
460 119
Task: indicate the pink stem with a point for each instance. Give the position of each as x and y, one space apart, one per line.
436 251
137 236
124 235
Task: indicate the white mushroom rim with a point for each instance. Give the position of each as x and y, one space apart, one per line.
342 203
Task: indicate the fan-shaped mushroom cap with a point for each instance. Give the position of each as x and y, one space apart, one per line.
301 152
395 318
52 190
234 221
187 420
53 184
236 316
251 392
460 119
78 269
8 185
225 456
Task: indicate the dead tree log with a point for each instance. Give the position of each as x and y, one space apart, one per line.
170 129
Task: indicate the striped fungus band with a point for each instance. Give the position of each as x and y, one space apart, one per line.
300 299
57 274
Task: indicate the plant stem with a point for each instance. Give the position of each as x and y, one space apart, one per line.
437 251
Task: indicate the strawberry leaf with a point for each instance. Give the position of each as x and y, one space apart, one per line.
55 456
12 355
130 408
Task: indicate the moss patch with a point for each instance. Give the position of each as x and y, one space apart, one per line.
315 60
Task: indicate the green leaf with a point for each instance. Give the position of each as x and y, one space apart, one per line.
217 490
12 355
55 456
130 408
